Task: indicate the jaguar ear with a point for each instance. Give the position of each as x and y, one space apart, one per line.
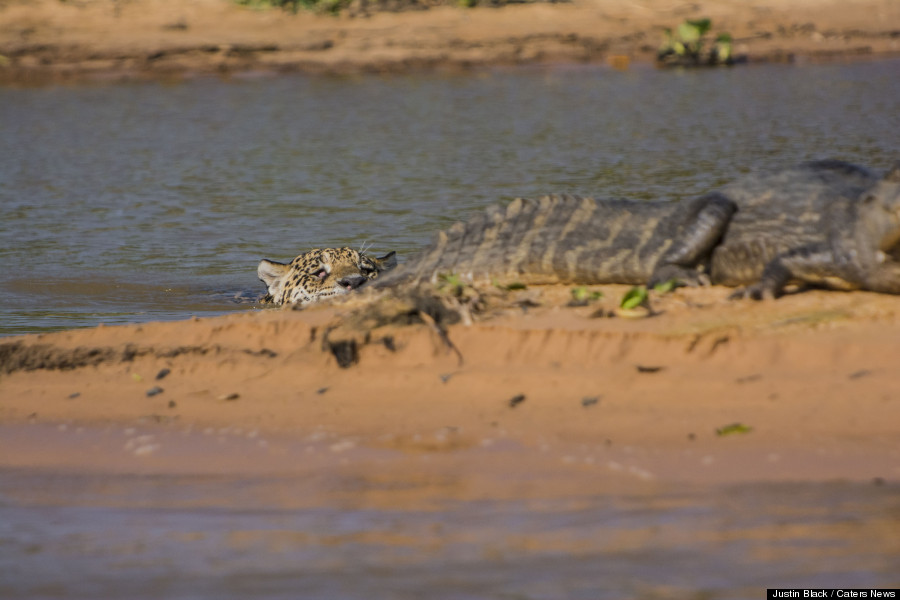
893 175
386 262
269 272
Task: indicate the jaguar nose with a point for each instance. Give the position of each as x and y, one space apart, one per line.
351 282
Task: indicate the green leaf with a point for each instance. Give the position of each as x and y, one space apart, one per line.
582 294
688 33
722 48
702 25
733 429
664 287
450 282
634 297
516 285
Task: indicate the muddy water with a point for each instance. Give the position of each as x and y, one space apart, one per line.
136 527
142 202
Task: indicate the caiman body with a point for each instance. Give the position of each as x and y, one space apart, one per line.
826 223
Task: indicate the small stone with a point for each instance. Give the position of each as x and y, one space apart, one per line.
229 397
590 401
321 390
163 373
172 404
648 369
75 395
154 391
516 400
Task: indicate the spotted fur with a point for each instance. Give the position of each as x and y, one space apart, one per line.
319 274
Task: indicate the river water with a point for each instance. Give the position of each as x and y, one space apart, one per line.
149 201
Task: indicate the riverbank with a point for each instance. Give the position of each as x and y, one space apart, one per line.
706 391
49 41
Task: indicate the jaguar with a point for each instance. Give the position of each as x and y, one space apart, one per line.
319 274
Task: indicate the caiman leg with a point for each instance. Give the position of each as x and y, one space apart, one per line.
693 246
809 264
884 278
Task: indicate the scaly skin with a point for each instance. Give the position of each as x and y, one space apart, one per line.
825 223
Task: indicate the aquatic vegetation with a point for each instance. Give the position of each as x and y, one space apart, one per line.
686 46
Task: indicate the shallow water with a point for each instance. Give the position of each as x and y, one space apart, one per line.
200 531
702 544
147 201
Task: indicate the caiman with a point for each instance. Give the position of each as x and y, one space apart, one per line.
826 223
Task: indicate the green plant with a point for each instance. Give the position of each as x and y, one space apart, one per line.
722 49
665 287
450 283
634 297
733 429
322 6
685 46
691 33
264 4
582 294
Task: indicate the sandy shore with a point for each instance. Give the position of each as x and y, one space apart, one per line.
48 40
521 404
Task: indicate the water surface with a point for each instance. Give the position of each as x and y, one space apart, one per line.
336 532
146 201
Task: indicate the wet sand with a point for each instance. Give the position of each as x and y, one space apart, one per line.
48 40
